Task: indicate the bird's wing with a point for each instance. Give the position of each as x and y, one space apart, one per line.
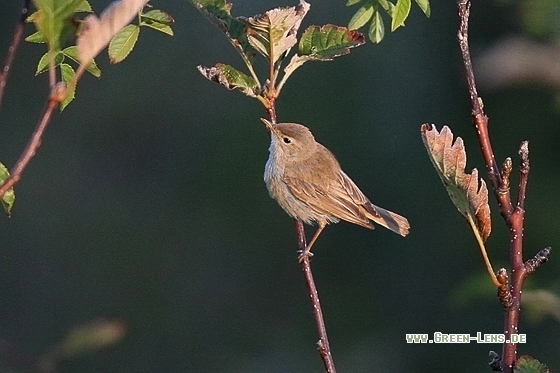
325 193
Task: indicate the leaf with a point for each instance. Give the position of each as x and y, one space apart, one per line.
230 78
53 17
376 28
84 7
352 2
273 33
323 44
158 20
9 197
67 73
400 14
362 16
528 364
329 41
90 337
44 65
123 42
36 37
469 195
219 13
72 53
388 6
425 6
97 32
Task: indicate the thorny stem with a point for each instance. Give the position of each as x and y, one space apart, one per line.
513 216
16 41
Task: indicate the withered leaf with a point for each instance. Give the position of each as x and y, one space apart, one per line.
449 159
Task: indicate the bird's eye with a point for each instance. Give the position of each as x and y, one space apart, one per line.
287 140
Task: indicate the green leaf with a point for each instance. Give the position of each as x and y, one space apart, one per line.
219 13
329 41
528 364
90 337
231 78
36 37
67 73
400 14
9 197
123 43
273 33
53 17
352 2
84 7
425 6
376 28
158 20
388 6
72 53
362 16
44 65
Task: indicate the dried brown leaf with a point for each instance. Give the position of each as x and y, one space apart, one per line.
469 195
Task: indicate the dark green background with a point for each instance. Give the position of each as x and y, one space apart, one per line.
146 203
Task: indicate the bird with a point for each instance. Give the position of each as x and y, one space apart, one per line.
306 180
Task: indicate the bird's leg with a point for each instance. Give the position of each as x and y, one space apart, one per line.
307 252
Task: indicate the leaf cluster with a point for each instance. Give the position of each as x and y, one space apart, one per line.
272 35
58 23
371 11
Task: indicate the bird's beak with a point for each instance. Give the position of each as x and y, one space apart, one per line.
269 125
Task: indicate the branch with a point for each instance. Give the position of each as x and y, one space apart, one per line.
16 41
509 293
31 148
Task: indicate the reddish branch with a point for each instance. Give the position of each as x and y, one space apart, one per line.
323 345
509 294
12 49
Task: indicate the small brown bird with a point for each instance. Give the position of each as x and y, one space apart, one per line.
308 183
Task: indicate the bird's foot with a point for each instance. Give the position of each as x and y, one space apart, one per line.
304 254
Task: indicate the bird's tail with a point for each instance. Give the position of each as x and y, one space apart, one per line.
388 219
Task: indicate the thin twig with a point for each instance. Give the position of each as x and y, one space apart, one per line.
323 345
30 149
16 41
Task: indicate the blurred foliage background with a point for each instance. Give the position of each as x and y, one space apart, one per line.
146 204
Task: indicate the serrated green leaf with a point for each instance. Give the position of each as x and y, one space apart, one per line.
352 2
72 53
84 7
376 28
9 198
362 16
425 6
161 27
329 41
158 16
273 33
67 73
123 43
53 17
400 13
44 64
231 78
36 37
219 13
528 364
